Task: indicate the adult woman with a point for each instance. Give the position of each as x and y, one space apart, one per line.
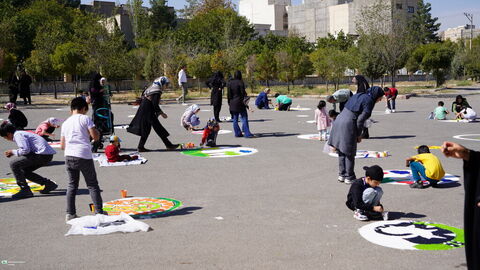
216 83
13 87
147 116
459 103
236 100
24 87
362 83
347 130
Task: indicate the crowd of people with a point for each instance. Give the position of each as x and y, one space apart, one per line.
342 131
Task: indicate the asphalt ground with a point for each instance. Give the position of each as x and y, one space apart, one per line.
282 207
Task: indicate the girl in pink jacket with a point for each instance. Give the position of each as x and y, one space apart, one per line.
322 120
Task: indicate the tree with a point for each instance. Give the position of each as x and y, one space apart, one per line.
436 58
139 18
338 62
69 3
285 67
370 61
68 57
161 17
196 7
250 70
199 66
303 67
266 66
423 27
472 65
341 41
319 59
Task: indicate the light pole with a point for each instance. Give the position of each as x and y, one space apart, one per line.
470 18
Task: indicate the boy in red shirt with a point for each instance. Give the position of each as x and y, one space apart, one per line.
391 95
210 133
112 151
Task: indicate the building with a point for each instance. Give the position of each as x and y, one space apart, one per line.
316 18
266 15
461 32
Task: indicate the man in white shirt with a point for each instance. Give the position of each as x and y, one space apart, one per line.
182 82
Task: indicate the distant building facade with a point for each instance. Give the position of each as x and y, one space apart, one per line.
461 32
266 15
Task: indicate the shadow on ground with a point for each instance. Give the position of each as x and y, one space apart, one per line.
392 137
179 212
392 215
276 134
57 192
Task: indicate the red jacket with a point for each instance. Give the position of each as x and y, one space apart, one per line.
113 153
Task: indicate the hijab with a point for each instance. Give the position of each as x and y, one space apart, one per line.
95 83
362 84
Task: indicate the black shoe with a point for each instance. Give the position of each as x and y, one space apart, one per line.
418 185
143 149
173 147
50 186
22 194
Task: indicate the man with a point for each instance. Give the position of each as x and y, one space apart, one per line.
341 96
33 152
182 82
262 99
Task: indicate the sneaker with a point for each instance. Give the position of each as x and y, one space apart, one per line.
348 181
50 186
393 111
385 215
22 194
69 217
358 215
387 111
143 149
418 185
341 179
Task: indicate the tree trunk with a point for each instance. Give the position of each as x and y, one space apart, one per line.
54 88
288 87
393 78
268 83
199 88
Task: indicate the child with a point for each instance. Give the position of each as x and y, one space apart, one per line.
16 117
391 95
283 102
440 112
333 115
189 118
47 127
322 120
365 194
468 114
112 151
75 140
425 165
210 133
33 152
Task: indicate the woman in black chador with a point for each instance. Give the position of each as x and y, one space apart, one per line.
216 83
147 116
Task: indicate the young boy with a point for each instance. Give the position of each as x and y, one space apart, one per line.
210 133
425 165
365 194
112 151
440 112
75 140
33 153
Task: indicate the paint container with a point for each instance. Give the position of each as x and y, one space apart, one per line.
92 207
123 193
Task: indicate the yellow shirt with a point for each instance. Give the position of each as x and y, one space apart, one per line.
433 167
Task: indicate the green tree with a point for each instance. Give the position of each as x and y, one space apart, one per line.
436 58
423 27
266 66
472 63
285 67
67 58
303 67
161 17
341 41
199 66
196 7
319 59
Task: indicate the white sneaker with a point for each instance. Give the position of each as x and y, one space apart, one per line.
393 111
387 111
358 215
69 217
341 179
348 181
385 215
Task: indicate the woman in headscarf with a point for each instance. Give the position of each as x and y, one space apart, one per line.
147 116
189 119
362 83
216 83
95 91
459 104
24 83
347 130
236 100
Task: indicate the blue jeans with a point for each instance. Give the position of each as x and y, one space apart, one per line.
418 171
244 117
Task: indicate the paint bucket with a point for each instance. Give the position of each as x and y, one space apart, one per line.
92 207
123 193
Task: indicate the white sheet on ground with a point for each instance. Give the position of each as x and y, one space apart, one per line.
103 161
101 224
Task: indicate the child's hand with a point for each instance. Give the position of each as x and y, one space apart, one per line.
8 153
378 208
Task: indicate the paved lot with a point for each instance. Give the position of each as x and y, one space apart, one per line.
282 207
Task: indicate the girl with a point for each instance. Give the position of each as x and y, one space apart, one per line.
189 118
458 105
322 120
47 127
16 117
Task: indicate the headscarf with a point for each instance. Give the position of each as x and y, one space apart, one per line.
375 92
362 84
193 108
10 105
95 83
237 75
156 86
53 121
364 102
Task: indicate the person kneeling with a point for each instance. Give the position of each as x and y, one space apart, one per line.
425 165
112 151
210 133
365 194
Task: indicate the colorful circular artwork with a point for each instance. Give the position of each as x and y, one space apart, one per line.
413 235
404 177
8 187
468 137
366 154
141 207
220 152
221 131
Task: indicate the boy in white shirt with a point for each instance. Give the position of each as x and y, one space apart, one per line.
75 140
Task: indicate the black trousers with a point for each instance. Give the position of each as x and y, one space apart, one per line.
284 107
216 112
160 130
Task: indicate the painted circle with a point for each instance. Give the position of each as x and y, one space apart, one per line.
221 131
141 207
299 109
458 121
311 121
366 154
315 137
413 235
8 187
404 177
220 152
468 137
121 127
302 116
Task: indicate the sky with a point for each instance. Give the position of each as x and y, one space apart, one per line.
449 12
